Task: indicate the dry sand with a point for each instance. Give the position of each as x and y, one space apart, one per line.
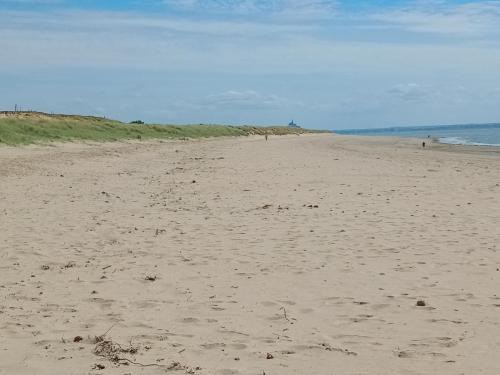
300 255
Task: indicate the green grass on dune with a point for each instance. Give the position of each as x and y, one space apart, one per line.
20 131
42 128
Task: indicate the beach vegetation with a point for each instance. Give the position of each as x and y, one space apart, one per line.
32 127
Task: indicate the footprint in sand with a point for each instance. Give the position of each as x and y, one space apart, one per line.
215 345
306 310
189 320
238 346
228 372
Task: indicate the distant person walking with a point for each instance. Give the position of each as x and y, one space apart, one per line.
423 144
266 137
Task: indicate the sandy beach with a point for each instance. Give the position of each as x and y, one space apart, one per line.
313 254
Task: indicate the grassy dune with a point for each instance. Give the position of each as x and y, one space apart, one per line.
34 127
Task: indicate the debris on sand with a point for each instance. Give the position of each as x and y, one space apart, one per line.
112 350
159 231
311 205
421 303
115 353
330 348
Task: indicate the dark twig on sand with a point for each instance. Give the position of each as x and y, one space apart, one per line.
111 351
284 313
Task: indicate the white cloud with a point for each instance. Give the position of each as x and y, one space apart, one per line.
116 39
283 8
470 19
243 99
411 92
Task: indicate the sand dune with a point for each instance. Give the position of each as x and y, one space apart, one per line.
300 255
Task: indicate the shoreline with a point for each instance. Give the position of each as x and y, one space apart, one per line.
431 143
468 144
411 132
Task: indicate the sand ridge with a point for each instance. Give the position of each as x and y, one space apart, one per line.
300 255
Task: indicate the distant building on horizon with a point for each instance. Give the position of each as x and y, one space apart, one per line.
293 125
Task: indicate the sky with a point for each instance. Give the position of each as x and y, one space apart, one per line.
326 64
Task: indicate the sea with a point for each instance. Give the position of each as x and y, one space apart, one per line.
466 134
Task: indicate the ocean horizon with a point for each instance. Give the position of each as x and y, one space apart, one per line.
463 134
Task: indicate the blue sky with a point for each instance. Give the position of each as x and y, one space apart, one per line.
324 63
